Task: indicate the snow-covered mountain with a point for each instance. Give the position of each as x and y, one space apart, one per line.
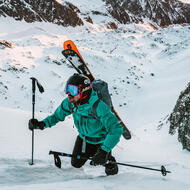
158 12
146 70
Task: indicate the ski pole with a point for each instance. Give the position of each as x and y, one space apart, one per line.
41 89
58 162
162 170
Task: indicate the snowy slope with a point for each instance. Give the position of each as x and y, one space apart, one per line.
146 70
185 1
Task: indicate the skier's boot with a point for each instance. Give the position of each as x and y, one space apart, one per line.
111 168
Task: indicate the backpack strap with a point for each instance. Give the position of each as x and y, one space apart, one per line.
93 109
67 111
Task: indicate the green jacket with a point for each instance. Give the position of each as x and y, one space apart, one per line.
106 131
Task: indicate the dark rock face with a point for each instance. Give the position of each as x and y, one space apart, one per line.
40 10
180 118
162 12
5 44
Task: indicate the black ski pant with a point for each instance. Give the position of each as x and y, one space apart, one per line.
77 150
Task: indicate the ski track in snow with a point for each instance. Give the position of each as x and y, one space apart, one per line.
146 71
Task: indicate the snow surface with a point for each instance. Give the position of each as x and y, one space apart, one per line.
146 71
185 1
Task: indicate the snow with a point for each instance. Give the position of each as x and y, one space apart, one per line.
86 7
146 71
185 1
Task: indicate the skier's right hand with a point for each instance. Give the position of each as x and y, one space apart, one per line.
99 158
35 124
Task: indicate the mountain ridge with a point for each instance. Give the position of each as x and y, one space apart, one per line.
160 12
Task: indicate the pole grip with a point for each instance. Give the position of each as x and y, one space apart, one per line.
33 84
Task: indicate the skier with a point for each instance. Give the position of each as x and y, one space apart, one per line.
97 137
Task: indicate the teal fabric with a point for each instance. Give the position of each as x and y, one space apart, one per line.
107 129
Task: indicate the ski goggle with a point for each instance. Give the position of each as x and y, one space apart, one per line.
72 89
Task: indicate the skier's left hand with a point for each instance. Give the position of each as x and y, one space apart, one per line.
100 158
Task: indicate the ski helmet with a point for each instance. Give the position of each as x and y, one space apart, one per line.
80 81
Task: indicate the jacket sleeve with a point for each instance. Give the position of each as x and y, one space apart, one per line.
112 126
59 115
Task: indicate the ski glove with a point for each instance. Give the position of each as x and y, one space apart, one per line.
35 124
100 157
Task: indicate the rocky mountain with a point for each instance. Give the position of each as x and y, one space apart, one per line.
180 118
38 10
161 12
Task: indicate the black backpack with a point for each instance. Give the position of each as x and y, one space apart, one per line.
101 87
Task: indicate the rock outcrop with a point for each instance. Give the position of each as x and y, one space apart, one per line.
180 118
39 10
161 12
